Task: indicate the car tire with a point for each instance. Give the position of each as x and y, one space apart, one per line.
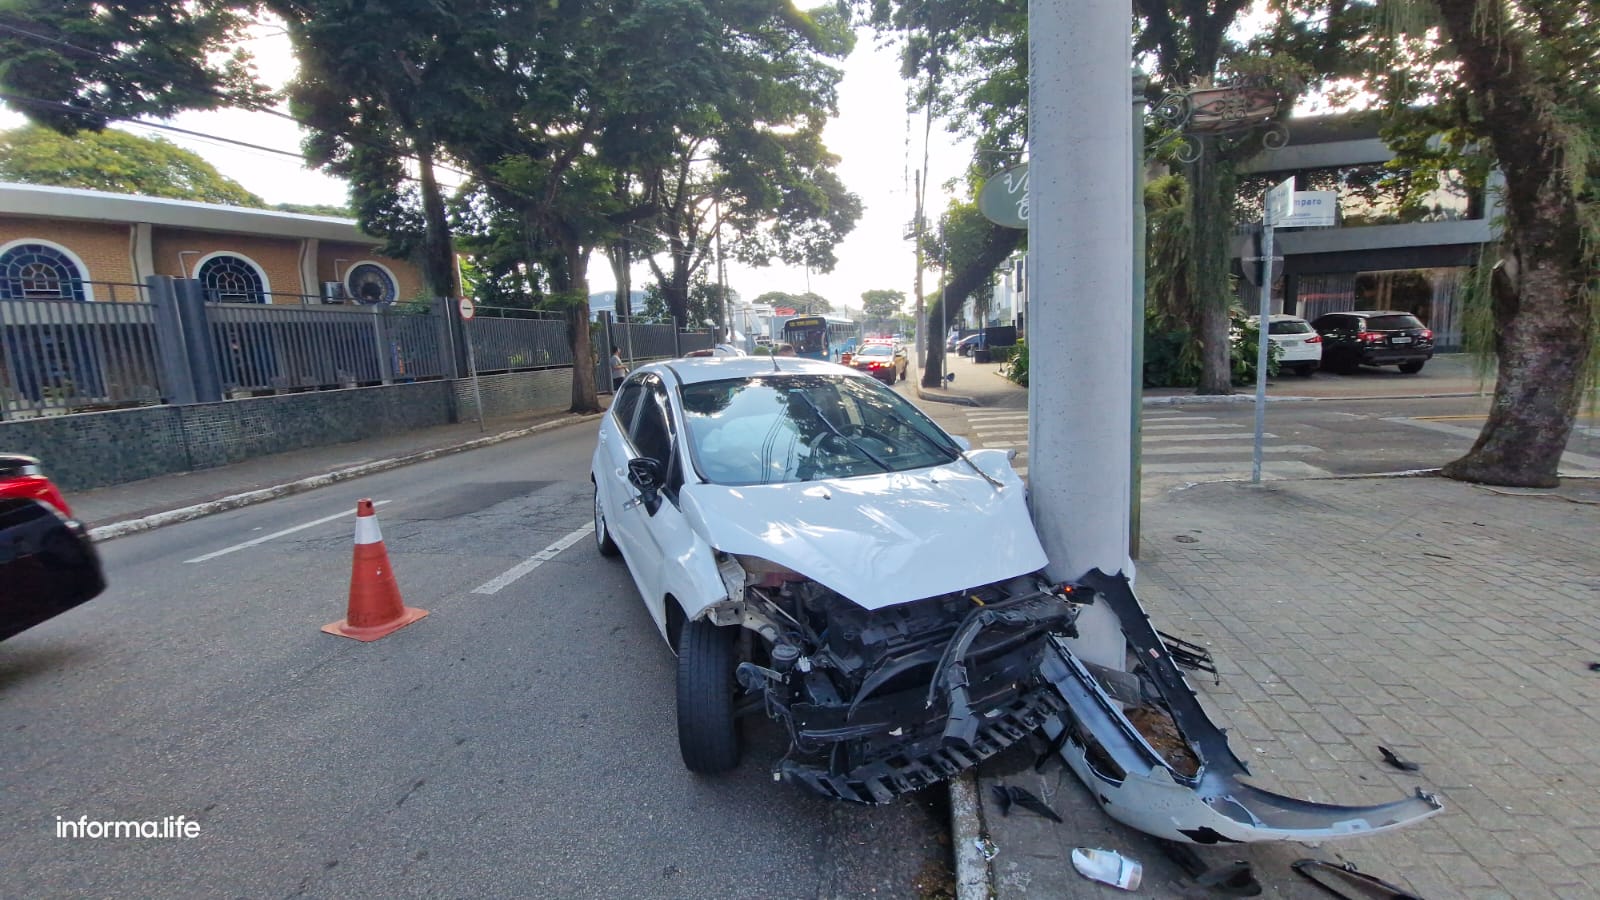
708 734
1412 368
602 534
1307 370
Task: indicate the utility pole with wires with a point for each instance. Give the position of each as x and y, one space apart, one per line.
722 274
922 335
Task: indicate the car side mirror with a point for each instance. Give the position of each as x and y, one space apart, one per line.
644 473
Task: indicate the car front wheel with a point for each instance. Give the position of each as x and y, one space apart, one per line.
708 735
602 535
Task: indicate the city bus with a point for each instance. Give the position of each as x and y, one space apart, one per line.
821 337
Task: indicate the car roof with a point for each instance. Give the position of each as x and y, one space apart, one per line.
714 368
1370 312
1281 317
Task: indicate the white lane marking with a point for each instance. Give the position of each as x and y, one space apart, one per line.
533 562
1273 469
1173 417
995 417
1303 449
1204 425
1569 459
276 534
1203 437
988 431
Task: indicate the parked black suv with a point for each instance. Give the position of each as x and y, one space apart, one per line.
1373 338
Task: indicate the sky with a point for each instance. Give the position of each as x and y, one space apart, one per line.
880 147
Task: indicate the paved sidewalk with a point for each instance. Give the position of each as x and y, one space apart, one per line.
282 473
1449 622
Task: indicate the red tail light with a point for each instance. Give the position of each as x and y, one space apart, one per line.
1427 334
1314 339
1371 337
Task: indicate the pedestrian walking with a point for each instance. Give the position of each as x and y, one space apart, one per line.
618 370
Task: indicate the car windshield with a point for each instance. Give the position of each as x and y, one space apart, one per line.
1393 323
877 350
1288 326
781 428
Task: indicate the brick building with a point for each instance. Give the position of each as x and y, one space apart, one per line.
67 243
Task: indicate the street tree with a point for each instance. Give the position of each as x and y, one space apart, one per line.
79 64
751 163
967 60
116 161
882 304
1523 79
972 248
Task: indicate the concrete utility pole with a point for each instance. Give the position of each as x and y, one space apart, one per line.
1080 234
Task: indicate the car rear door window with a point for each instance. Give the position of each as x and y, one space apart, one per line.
1393 323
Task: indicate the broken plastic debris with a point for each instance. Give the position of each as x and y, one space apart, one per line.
1108 867
1404 765
986 847
1006 795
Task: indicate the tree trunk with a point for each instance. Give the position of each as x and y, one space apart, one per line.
997 245
1208 269
1543 346
584 397
1544 330
620 253
439 259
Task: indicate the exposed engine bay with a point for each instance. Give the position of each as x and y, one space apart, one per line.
880 702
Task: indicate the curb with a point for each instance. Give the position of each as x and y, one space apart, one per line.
126 527
957 399
973 880
1180 399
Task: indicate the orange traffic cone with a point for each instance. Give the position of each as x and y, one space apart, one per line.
376 609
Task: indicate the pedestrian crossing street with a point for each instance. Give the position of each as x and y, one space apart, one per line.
1174 443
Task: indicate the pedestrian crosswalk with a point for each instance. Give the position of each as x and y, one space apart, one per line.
1174 443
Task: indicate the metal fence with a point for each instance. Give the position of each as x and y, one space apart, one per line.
509 340
166 341
60 356
261 348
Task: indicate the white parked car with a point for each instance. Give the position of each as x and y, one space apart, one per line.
817 549
1299 345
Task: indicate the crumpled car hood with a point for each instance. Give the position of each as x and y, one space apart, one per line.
884 539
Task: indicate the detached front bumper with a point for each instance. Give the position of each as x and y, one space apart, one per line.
1136 786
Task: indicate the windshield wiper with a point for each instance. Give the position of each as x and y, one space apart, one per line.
998 484
842 436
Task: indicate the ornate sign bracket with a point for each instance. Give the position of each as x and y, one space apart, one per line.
1202 112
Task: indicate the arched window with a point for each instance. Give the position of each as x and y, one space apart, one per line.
33 270
370 282
231 278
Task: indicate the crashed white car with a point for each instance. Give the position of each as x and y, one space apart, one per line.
813 546
818 551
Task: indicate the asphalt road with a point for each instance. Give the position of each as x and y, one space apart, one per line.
511 744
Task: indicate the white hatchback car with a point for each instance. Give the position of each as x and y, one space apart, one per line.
1299 345
818 550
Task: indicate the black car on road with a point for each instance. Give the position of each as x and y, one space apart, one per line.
1373 338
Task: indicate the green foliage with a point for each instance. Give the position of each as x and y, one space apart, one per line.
1171 357
316 209
1016 363
133 58
882 304
118 162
